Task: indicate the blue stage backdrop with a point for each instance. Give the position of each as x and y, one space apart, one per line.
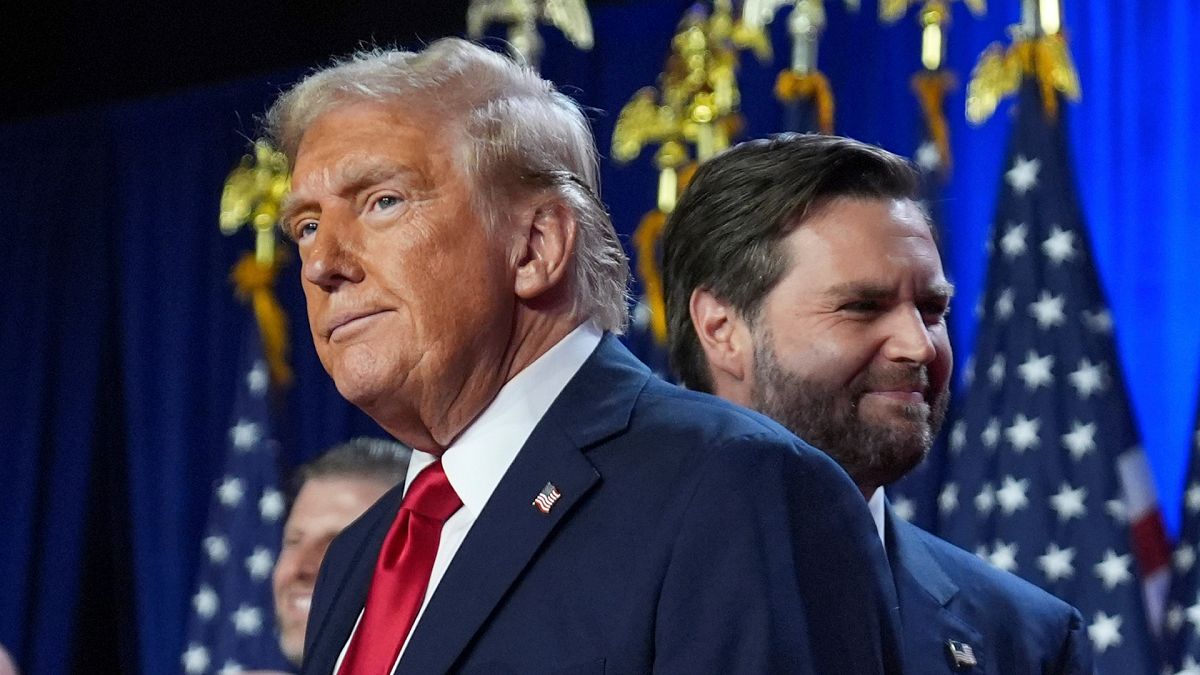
119 330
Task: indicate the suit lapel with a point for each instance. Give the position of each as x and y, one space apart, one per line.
925 593
507 535
356 568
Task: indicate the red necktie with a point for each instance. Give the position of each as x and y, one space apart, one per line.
401 574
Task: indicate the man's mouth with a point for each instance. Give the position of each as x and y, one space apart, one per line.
347 324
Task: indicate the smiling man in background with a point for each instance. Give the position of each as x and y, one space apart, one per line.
802 280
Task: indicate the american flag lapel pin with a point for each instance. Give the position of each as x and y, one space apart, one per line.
547 498
962 654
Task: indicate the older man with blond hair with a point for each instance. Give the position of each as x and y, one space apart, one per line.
564 510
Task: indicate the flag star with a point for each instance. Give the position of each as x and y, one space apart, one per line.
257 379
1105 631
1098 322
1005 303
1081 440
1116 510
991 433
948 498
1174 617
1057 564
231 667
270 505
260 562
1013 241
1089 379
928 157
1011 496
641 315
996 370
217 549
1114 570
247 620
244 435
206 602
986 499
1023 434
230 492
1004 556
1068 503
1190 666
195 659
1183 558
1192 613
1023 175
904 508
1036 371
958 436
1192 498
1048 310
1060 245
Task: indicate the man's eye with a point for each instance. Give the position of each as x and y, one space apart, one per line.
935 312
304 229
387 201
861 306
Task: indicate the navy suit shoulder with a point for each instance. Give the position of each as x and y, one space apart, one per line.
1012 625
692 536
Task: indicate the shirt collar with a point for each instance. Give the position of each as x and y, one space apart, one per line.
875 504
476 461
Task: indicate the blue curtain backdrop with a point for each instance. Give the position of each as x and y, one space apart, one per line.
118 332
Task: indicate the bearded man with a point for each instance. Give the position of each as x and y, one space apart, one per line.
803 281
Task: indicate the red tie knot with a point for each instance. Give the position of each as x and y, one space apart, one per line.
431 494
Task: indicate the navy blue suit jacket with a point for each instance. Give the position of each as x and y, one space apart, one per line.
1013 627
692 536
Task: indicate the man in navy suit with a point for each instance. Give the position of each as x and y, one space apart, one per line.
565 511
802 280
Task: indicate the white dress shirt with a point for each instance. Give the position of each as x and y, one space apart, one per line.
477 460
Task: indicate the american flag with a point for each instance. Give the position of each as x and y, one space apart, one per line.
546 498
1183 606
231 626
1044 477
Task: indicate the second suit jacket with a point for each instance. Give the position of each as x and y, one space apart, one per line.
692 536
1012 626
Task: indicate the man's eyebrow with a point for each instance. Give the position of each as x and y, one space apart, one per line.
860 289
872 291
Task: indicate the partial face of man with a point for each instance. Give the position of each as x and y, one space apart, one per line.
323 508
407 287
851 348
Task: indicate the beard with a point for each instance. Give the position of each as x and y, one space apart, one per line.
828 417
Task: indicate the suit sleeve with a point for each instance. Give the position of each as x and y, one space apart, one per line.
791 573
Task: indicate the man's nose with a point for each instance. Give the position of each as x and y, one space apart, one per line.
908 338
333 257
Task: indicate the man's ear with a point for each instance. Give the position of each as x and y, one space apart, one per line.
549 246
725 339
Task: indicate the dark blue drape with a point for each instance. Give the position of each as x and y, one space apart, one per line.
119 328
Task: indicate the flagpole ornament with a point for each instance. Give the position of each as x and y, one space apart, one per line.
1039 50
692 112
803 80
933 82
252 197
522 18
